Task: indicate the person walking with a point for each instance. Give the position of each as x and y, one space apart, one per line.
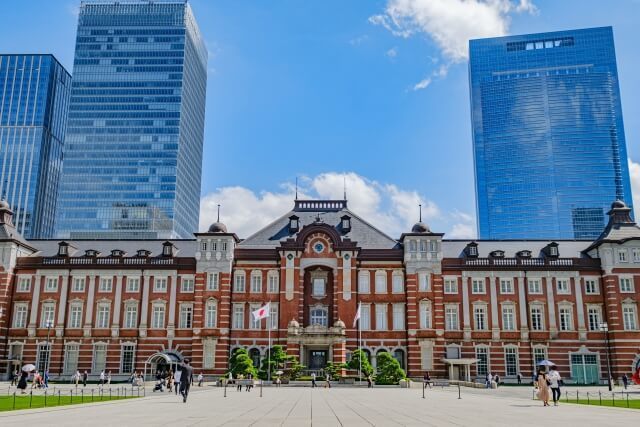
369 381
77 378
176 380
543 387
200 379
427 380
15 378
327 379
85 377
625 381
186 378
45 381
519 377
103 378
313 380
109 378
35 381
488 380
497 380
22 382
555 379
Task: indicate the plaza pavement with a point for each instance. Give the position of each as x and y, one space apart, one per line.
296 406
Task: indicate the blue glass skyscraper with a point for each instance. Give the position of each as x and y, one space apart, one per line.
548 137
34 100
133 155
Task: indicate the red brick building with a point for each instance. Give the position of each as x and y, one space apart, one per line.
457 308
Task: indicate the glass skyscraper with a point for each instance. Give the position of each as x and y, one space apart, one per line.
549 145
133 154
34 100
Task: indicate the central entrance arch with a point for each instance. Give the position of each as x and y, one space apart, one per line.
162 362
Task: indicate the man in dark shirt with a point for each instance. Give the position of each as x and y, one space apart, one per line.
186 379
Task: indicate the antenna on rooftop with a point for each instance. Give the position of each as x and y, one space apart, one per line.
296 188
420 208
218 213
344 186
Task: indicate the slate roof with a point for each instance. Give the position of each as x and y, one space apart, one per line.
365 235
48 248
566 248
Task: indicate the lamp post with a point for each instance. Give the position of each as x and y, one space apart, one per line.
49 325
604 327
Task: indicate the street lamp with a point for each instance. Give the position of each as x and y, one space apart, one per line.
49 325
604 327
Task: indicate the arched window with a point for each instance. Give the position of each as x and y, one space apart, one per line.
319 316
254 354
399 356
367 354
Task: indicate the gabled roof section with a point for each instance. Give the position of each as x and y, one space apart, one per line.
329 212
8 231
620 227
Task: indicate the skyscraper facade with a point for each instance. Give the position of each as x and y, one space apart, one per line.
549 144
34 101
133 155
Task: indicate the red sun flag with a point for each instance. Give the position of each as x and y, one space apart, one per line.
262 312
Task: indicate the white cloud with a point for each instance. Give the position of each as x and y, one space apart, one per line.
392 209
634 172
357 41
422 84
392 53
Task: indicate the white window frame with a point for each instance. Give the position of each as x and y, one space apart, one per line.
48 307
240 281
508 314
127 347
382 318
186 316
451 312
211 314
324 317
450 285
213 281
506 286
588 289
157 321
78 283
105 284
397 283
481 348
424 282
623 255
133 284
70 364
565 318
160 284
187 284
256 282
51 284
318 287
594 325
630 316
381 282
20 323
511 349
131 315
272 320
540 307
398 315
478 286
99 349
365 317
101 322
273 282
24 284
626 284
364 282
425 314
563 286
75 315
635 252
534 286
238 322
480 312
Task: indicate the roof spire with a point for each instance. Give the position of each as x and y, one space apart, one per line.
420 209
218 220
296 188
344 186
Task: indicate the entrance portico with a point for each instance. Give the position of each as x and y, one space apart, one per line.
460 369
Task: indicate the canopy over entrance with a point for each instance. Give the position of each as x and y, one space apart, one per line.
460 369
162 362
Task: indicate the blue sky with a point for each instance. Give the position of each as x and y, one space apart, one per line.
333 90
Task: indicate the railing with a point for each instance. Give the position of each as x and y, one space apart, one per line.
320 205
522 262
104 261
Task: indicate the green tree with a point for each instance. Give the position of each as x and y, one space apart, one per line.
241 363
354 363
389 370
333 369
279 360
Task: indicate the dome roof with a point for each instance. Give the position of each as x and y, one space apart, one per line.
217 227
420 227
340 324
618 204
4 205
294 323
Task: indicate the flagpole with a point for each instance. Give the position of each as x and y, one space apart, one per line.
360 350
269 352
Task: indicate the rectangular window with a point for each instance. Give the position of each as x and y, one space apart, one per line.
423 246
536 319
477 286
239 284
274 285
256 283
482 364
78 284
318 287
423 282
594 317
75 316
157 319
381 283
71 353
273 316
203 246
508 318
626 285
480 317
363 283
535 286
24 284
42 358
102 316
398 317
223 246
636 254
506 286
566 323
186 316
238 316
159 284
133 284
48 314
450 286
451 318
99 358
539 354
365 317
106 284
591 287
425 315
622 255
562 286
213 281
511 361
20 316
131 316
187 285
629 317
381 317
126 358
51 284
398 284
211 319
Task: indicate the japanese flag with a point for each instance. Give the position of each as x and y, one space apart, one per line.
355 320
262 312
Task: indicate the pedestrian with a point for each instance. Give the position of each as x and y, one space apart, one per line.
369 381
278 381
45 381
15 377
488 380
85 377
186 378
427 380
555 379
35 382
77 378
103 378
239 382
313 380
497 380
230 377
200 379
327 379
109 378
170 381
22 382
542 383
176 380
519 376
625 381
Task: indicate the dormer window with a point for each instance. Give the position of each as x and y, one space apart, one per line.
143 253
63 249
167 249
497 254
524 254
117 253
471 250
91 253
551 250
294 224
346 223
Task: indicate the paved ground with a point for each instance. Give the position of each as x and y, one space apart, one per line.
336 406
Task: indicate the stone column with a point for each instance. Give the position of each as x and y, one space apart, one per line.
117 304
35 302
466 323
582 329
62 304
522 304
144 305
551 308
172 305
88 316
495 325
